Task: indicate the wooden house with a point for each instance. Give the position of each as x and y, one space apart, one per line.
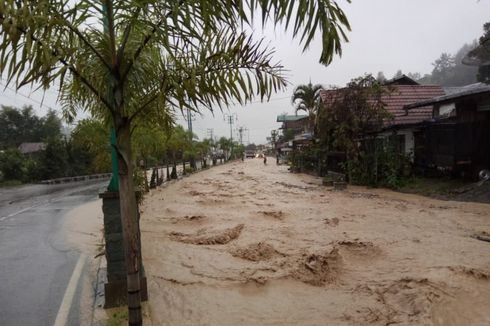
457 137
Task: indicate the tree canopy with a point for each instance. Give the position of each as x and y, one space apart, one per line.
349 114
19 125
307 98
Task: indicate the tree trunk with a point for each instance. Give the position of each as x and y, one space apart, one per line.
129 220
174 167
168 172
147 186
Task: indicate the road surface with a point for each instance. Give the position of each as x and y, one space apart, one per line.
36 264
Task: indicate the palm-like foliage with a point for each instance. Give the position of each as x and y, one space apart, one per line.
307 98
127 60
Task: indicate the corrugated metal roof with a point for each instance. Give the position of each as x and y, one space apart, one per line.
473 89
286 118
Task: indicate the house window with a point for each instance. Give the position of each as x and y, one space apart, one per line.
484 106
396 143
446 111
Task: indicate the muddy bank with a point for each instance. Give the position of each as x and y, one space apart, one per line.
248 244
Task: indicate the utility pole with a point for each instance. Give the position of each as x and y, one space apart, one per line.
241 130
210 132
230 119
189 127
274 137
189 118
273 141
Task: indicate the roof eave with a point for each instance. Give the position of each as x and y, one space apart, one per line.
447 98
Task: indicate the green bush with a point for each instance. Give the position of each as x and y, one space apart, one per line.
380 164
12 164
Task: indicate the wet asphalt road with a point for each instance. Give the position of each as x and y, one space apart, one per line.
35 262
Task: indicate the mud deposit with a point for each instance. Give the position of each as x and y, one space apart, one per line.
248 244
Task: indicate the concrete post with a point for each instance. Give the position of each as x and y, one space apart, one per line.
116 287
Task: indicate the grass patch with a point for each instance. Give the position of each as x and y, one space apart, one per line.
432 187
118 318
10 183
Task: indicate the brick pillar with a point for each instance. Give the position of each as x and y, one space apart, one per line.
116 288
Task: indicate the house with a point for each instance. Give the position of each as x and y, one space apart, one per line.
31 148
403 124
296 131
402 80
295 123
457 137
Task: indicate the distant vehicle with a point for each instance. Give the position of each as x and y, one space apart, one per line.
249 154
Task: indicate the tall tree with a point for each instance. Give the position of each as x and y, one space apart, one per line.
443 68
18 126
463 74
149 56
91 135
398 74
349 114
307 98
50 126
479 56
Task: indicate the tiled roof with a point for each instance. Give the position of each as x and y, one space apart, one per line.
405 94
395 101
287 118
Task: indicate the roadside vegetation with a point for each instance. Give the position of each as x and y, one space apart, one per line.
85 149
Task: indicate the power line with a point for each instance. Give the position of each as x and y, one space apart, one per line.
260 101
27 97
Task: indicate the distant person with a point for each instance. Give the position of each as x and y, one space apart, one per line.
265 160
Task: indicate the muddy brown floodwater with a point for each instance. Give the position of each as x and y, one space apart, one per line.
248 244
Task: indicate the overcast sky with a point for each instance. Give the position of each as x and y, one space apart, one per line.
387 35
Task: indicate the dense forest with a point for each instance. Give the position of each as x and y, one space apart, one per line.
449 70
86 149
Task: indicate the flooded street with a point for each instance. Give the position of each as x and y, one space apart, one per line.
248 244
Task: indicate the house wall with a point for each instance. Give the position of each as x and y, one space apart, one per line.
459 142
298 124
409 145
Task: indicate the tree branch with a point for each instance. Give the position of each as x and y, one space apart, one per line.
110 28
143 44
75 72
87 43
126 34
155 96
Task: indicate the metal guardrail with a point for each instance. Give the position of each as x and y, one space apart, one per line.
107 175
77 178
